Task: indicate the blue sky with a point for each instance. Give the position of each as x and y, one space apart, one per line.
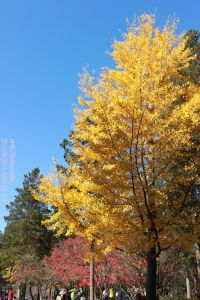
43 46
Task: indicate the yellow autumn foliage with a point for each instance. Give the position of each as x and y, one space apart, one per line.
126 185
9 274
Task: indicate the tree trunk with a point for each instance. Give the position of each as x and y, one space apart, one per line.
30 292
158 279
151 274
38 292
18 292
104 277
92 271
198 259
22 291
188 288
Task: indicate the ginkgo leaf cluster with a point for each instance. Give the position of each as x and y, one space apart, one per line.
125 186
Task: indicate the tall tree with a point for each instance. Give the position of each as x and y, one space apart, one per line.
124 182
193 42
69 264
24 232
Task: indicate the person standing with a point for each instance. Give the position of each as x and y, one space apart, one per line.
5 295
97 293
79 293
111 295
73 293
58 297
10 294
118 295
1 295
105 294
138 296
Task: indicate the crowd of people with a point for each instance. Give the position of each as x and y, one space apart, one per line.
106 294
7 294
77 294
111 294
70 294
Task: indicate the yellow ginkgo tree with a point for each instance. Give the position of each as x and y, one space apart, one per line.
130 181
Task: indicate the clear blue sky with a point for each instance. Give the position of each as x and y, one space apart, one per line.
43 46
